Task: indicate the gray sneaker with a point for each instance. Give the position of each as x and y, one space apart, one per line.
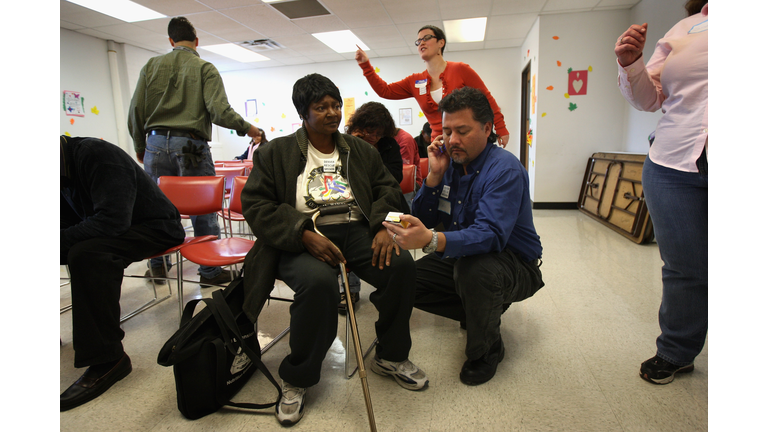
407 374
291 407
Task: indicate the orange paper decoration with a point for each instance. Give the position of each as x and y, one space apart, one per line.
556 37
559 64
550 88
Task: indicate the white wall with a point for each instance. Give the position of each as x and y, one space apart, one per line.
272 89
661 15
85 69
567 138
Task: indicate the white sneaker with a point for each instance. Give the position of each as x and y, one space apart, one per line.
407 374
291 407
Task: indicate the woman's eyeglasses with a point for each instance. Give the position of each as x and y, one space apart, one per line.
424 39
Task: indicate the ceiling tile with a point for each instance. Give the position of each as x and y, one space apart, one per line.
509 26
569 5
627 3
409 11
174 8
506 7
325 23
359 13
264 20
69 25
458 9
85 17
381 37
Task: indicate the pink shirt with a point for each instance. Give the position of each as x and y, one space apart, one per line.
409 151
675 80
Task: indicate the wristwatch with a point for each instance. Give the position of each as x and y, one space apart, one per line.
432 246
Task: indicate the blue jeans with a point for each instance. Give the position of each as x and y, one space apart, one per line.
164 157
677 202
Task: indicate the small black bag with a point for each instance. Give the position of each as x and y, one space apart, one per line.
213 354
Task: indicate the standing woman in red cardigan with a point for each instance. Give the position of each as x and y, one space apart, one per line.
429 87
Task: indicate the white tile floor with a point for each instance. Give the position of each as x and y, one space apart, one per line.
573 355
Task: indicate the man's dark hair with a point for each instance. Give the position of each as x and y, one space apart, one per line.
439 34
180 29
427 129
311 89
475 100
694 6
372 116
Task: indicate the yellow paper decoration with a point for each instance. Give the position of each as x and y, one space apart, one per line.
567 96
589 68
543 114
95 110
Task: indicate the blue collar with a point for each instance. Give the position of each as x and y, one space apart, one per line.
477 163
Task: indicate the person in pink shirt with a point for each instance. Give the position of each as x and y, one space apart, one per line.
675 80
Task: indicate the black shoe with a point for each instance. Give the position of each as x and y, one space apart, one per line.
659 371
157 272
479 371
224 278
90 385
343 302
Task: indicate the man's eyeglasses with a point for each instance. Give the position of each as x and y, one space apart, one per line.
424 39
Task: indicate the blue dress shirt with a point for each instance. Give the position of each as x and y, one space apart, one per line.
486 210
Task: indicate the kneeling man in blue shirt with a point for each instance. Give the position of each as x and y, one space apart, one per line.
488 254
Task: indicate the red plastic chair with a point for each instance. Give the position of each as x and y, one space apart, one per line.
424 167
179 191
409 179
234 213
208 195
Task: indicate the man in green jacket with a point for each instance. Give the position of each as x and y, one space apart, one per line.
177 97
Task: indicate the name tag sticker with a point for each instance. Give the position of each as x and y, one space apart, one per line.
421 83
699 28
446 191
444 206
329 165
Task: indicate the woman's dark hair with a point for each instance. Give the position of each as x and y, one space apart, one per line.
311 89
694 6
439 34
180 29
372 116
427 129
263 137
473 99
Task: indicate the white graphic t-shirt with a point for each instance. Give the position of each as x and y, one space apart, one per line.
321 184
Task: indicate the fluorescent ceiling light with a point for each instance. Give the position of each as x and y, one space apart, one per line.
270 1
235 52
342 41
465 30
124 10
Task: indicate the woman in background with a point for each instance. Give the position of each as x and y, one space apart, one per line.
675 178
253 145
374 124
437 81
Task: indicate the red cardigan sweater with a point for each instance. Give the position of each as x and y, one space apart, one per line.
455 76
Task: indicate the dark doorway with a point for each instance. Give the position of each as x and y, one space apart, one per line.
525 114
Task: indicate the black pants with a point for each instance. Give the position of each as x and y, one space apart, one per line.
314 313
477 289
96 267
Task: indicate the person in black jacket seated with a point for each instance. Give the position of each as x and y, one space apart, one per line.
374 124
423 140
292 178
112 214
253 145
